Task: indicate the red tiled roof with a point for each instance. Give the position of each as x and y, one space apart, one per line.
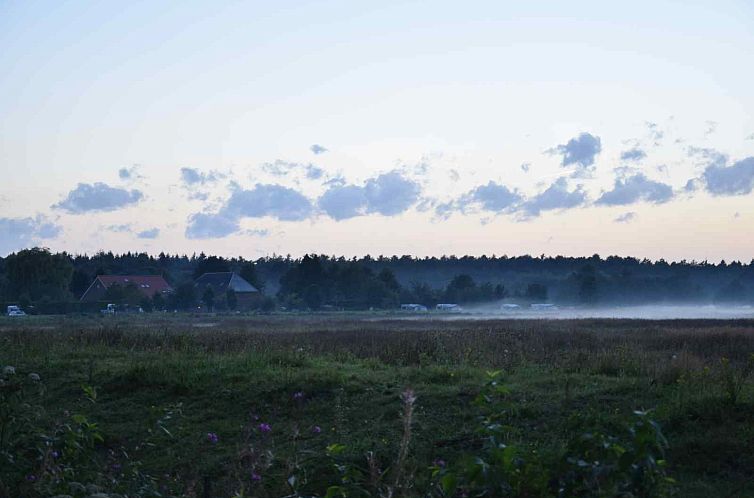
147 284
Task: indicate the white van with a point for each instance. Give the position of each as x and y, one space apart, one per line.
14 310
449 308
413 307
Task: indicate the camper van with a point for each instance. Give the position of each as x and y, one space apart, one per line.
543 307
413 307
449 308
14 310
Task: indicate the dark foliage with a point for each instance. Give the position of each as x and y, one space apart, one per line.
320 281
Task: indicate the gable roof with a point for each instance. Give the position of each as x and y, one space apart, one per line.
153 283
148 285
222 281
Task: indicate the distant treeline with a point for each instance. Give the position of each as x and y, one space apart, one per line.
323 282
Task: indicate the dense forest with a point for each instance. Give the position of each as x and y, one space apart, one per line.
37 277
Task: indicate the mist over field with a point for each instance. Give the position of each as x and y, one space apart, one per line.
644 312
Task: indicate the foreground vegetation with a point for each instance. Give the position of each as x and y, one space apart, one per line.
373 405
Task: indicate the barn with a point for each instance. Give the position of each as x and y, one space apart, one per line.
247 296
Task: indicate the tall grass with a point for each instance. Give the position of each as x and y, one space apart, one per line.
211 372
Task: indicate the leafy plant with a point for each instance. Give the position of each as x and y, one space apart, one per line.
597 464
734 378
20 411
499 468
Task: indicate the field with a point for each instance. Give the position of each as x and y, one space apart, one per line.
232 405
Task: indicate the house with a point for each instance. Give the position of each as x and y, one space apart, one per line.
247 296
146 285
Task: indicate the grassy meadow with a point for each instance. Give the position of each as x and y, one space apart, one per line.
203 405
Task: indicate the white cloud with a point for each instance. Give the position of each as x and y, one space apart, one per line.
692 185
343 202
556 196
388 194
626 217
710 128
635 154
125 227
194 177
210 226
151 233
98 197
130 174
20 233
737 179
580 151
655 133
280 167
280 202
314 172
256 232
634 189
283 168
492 197
707 156
317 149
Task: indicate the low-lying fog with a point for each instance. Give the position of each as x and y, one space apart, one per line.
649 312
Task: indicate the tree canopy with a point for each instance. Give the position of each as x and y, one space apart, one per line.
317 281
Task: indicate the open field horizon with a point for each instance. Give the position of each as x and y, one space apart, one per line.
337 379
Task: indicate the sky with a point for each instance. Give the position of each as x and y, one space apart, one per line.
352 128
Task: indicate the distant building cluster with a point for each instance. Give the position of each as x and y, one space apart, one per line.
219 285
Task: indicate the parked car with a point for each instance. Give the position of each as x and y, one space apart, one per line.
14 310
108 310
112 309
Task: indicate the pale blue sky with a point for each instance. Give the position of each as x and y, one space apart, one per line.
476 127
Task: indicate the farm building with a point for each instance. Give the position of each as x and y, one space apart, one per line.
147 285
247 296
